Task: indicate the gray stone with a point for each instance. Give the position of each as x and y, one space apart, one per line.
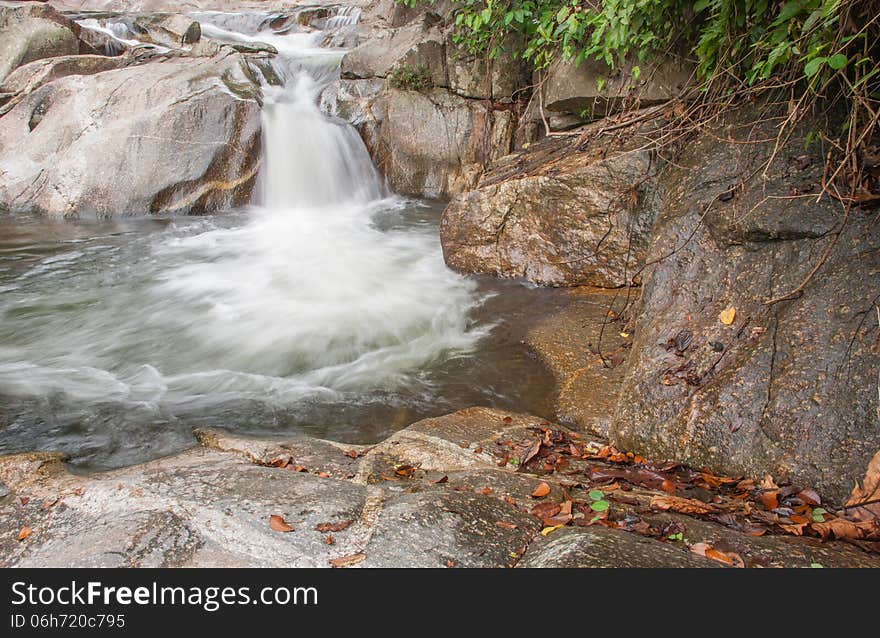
599 547
574 89
793 393
556 214
32 31
177 135
31 76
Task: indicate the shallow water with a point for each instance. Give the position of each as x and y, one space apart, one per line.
97 360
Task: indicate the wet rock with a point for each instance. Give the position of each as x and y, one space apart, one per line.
434 144
32 31
792 390
569 342
555 214
175 135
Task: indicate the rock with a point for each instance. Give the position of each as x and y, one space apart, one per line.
32 31
178 135
575 90
435 144
167 30
791 391
567 342
600 547
555 214
254 47
31 76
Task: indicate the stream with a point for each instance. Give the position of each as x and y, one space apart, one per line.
324 308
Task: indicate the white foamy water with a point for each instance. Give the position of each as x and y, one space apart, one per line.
303 297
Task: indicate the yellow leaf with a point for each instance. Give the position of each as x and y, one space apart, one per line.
547 530
727 316
624 334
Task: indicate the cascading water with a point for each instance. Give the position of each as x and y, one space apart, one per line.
326 307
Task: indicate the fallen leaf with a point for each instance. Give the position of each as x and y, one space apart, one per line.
668 486
49 504
24 533
797 528
542 490
24 499
348 561
868 490
682 505
770 500
352 454
599 506
510 500
334 527
323 474
485 491
278 524
507 525
508 419
768 483
548 530
727 316
810 497
546 510
329 540
442 479
728 558
450 563
850 530
405 470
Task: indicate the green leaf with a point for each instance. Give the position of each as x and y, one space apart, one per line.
637 71
837 61
600 84
817 565
597 495
818 515
811 68
599 506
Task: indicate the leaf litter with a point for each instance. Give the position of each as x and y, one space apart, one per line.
616 479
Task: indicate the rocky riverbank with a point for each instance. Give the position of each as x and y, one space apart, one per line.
432 495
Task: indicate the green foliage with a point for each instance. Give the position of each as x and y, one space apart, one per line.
411 79
748 41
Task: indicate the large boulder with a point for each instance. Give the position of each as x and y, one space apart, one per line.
433 144
787 388
32 31
558 214
177 135
599 90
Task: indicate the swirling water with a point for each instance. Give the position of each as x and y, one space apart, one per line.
324 308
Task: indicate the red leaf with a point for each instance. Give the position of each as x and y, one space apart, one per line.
485 491
353 454
278 524
508 419
541 491
770 500
546 510
24 499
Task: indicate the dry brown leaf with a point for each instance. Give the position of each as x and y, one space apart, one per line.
797 528
442 479
546 510
727 316
334 527
24 499
683 505
507 419
869 490
485 491
329 540
770 500
507 525
352 454
278 524
541 491
728 558
24 533
768 483
348 561
846 529
323 474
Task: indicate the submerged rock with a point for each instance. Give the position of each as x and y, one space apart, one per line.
787 388
180 134
556 214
